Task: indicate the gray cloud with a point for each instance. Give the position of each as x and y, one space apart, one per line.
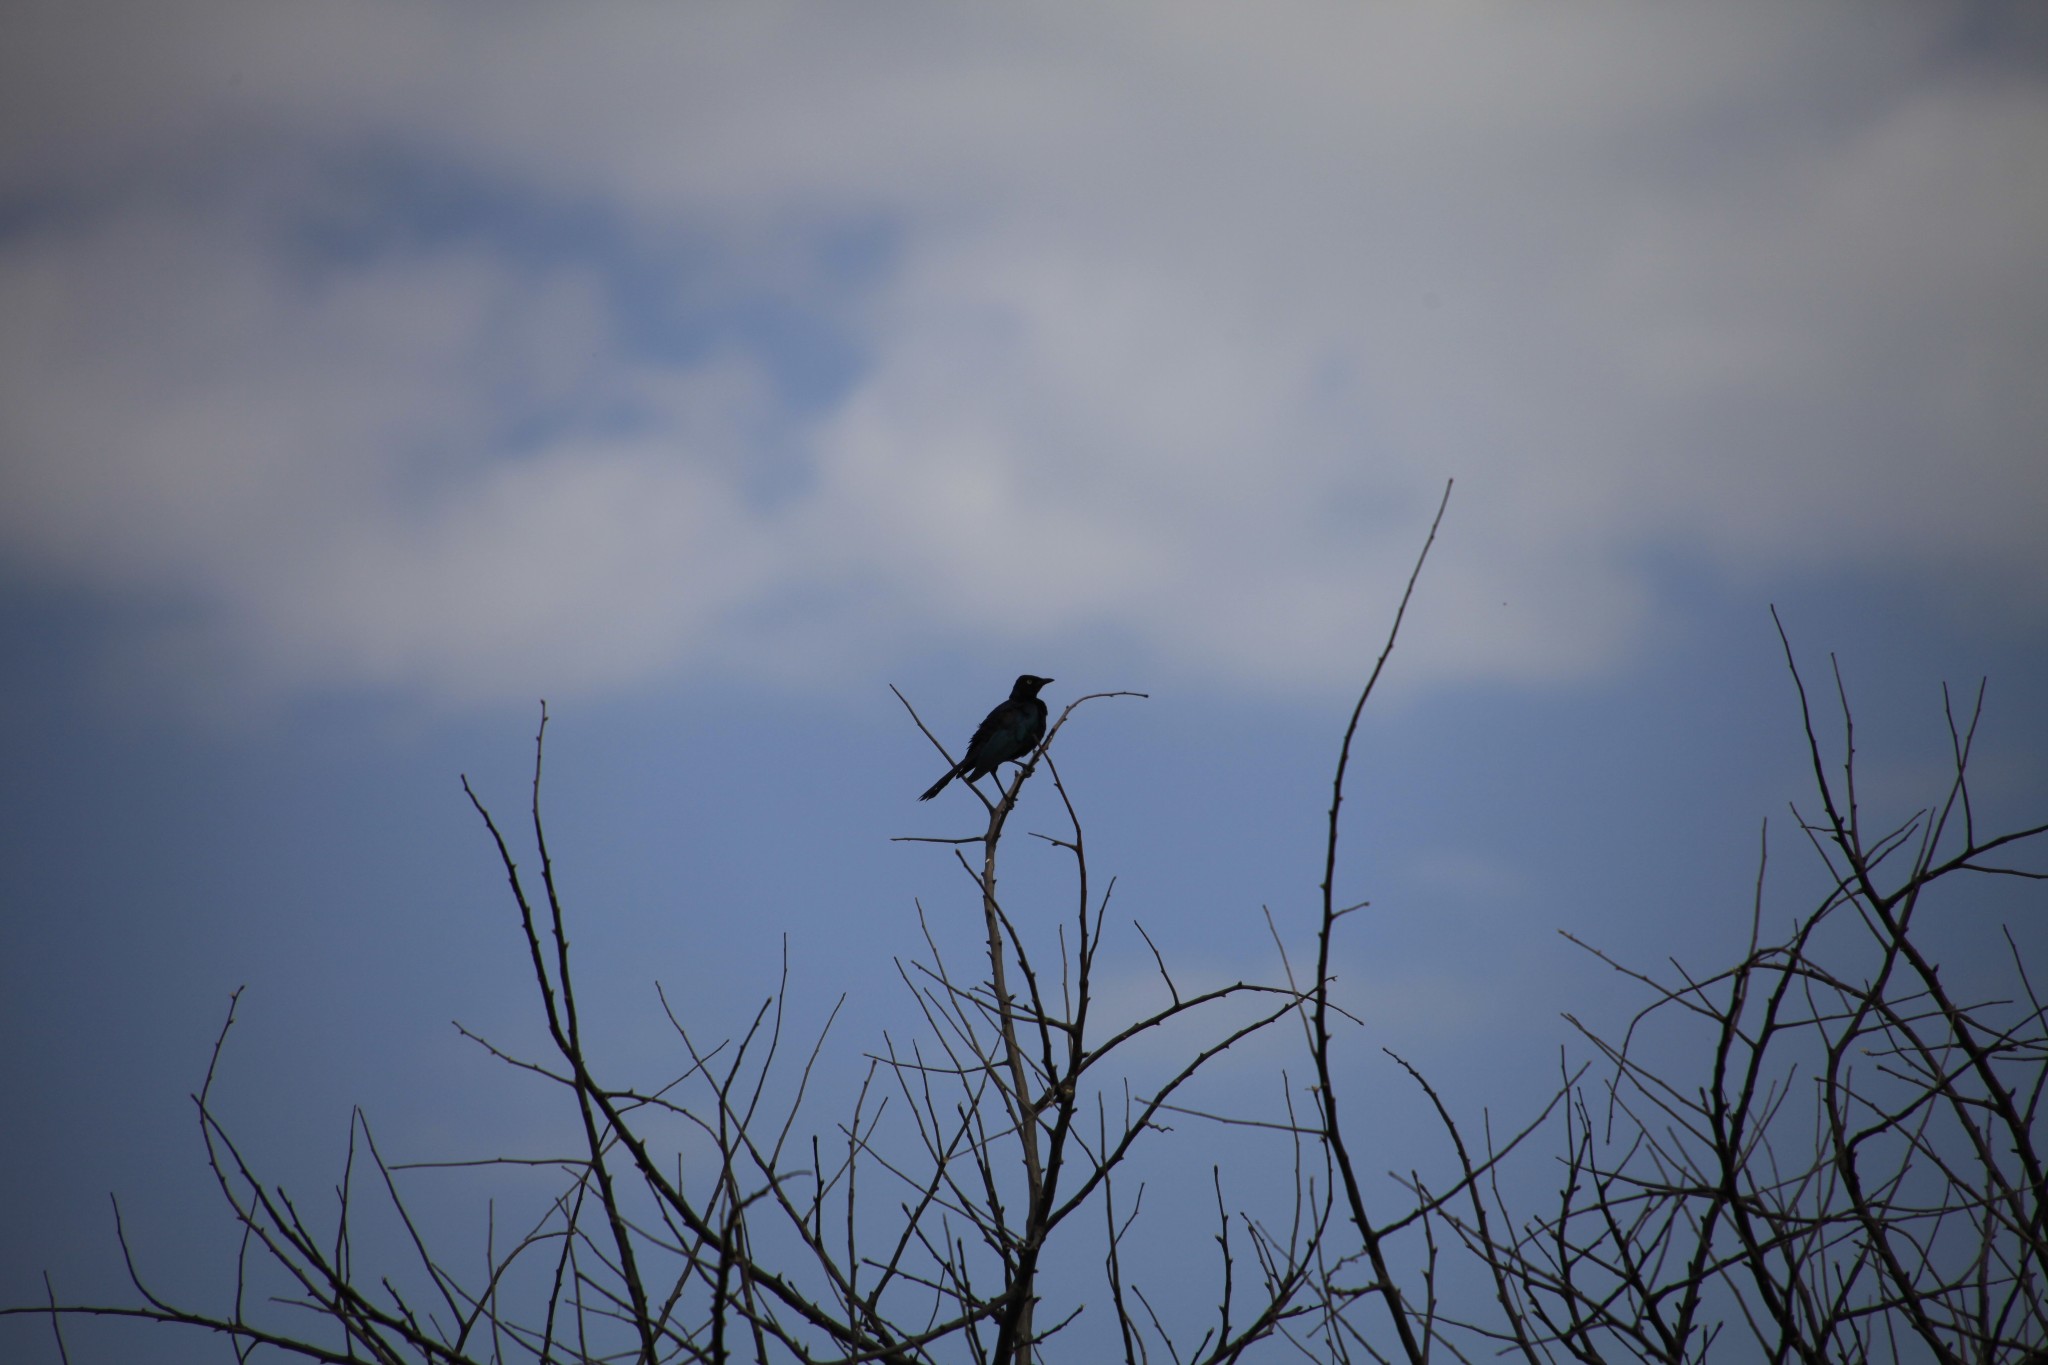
1185 314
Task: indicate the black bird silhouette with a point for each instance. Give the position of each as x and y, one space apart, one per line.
1009 732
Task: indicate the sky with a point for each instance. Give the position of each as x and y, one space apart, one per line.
372 371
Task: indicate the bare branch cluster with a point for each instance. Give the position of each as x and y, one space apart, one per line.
1824 1147
701 1221
1859 1172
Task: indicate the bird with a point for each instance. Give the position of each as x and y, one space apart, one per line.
1009 732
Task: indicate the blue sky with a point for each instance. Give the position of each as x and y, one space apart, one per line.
369 371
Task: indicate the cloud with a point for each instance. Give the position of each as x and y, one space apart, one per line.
1169 324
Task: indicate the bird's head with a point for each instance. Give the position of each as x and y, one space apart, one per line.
1027 686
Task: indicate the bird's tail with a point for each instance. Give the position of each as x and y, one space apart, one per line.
940 785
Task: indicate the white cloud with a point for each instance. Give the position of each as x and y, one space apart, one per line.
1186 313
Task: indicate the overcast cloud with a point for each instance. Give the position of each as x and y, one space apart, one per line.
488 350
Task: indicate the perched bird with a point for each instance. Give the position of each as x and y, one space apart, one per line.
1009 732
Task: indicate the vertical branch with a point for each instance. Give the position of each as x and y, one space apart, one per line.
1333 1132
1013 1341
588 1102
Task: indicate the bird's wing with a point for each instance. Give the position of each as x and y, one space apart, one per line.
993 724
